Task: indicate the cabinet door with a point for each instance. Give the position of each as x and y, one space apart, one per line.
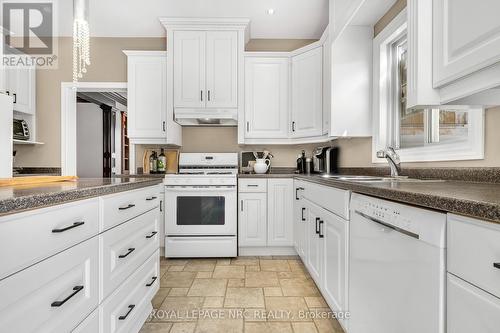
307 94
466 38
147 100
266 97
222 69
470 309
21 86
189 69
252 221
335 248
300 229
315 246
280 212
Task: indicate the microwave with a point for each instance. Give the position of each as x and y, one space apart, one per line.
20 130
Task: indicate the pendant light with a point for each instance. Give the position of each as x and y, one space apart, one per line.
81 38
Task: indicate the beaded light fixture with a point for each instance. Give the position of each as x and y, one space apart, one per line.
81 38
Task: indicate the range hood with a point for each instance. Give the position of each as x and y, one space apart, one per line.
206 117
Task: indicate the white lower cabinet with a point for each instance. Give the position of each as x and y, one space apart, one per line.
473 279
314 260
252 225
265 218
280 212
321 239
54 295
126 247
127 308
90 324
335 274
77 280
470 309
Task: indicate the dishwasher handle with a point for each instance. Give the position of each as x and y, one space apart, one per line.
392 227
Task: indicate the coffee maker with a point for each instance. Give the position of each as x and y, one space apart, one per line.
325 160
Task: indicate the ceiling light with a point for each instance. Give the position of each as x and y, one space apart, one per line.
270 11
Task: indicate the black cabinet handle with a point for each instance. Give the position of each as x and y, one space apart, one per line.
209 95
130 308
201 95
293 126
126 207
74 225
297 192
241 205
153 279
151 198
317 225
121 256
496 265
303 210
321 229
152 234
76 290
163 126
15 98
161 205
252 185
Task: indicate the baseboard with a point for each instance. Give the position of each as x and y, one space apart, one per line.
267 251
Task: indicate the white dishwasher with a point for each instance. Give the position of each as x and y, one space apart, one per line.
397 268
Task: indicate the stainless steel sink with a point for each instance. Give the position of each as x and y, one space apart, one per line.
375 179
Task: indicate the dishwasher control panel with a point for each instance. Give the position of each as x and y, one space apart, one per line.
424 224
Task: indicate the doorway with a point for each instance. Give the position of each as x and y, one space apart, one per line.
94 140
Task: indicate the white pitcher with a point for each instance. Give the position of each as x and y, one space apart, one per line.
261 165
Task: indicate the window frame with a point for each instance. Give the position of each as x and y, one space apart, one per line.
384 104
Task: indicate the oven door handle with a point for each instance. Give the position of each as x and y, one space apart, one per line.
200 189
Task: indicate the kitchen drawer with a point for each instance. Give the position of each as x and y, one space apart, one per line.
54 295
121 207
470 309
473 249
89 324
125 248
332 199
252 185
132 298
29 237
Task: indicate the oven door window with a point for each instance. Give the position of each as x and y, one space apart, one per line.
194 210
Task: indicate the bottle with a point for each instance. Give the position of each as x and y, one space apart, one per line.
303 157
153 163
162 162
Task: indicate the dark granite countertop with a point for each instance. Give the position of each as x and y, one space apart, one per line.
477 200
14 199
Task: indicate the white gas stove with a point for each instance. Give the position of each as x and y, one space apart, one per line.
201 206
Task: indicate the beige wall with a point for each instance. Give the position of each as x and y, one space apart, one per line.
109 64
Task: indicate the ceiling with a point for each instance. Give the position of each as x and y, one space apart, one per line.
301 19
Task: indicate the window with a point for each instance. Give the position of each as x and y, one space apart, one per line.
431 134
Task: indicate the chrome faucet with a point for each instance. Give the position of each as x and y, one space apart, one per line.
393 158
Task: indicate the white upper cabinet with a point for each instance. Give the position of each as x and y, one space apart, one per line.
307 94
189 69
21 85
205 69
466 38
222 69
266 97
147 109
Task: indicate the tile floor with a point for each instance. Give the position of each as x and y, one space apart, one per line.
244 294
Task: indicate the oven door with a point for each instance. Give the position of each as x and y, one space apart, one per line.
200 210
